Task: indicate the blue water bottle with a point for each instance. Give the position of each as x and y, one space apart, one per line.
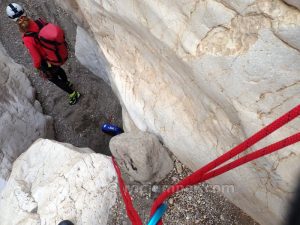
111 129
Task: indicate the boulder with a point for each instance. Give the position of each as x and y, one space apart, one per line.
53 181
142 156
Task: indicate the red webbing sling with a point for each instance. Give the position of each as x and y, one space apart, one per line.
208 171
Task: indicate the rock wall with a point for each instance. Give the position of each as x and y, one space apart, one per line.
204 75
89 55
295 3
21 117
53 181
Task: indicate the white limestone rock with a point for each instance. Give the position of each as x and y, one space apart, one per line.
89 55
142 156
239 6
204 82
287 27
21 117
205 16
53 181
295 3
128 124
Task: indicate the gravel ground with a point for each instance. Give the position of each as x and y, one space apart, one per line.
79 125
202 204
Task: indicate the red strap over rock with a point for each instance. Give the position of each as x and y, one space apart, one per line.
209 171
131 212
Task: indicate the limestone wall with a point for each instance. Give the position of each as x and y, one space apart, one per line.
89 55
204 75
21 117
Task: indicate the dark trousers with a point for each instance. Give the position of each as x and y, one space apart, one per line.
58 76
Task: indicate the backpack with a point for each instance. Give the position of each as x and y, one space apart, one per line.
52 41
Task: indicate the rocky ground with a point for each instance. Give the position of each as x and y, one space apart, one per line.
202 204
79 125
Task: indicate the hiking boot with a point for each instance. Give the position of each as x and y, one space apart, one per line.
74 97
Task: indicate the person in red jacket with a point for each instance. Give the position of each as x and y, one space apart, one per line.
53 73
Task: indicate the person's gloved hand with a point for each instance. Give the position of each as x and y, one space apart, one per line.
44 70
44 66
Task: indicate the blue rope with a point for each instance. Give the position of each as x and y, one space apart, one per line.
158 214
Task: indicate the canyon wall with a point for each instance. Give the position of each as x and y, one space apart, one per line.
203 75
21 118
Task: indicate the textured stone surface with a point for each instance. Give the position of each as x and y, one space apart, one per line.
21 117
53 181
204 75
287 27
142 156
237 5
89 55
295 3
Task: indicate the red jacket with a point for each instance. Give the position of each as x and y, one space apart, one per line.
34 49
